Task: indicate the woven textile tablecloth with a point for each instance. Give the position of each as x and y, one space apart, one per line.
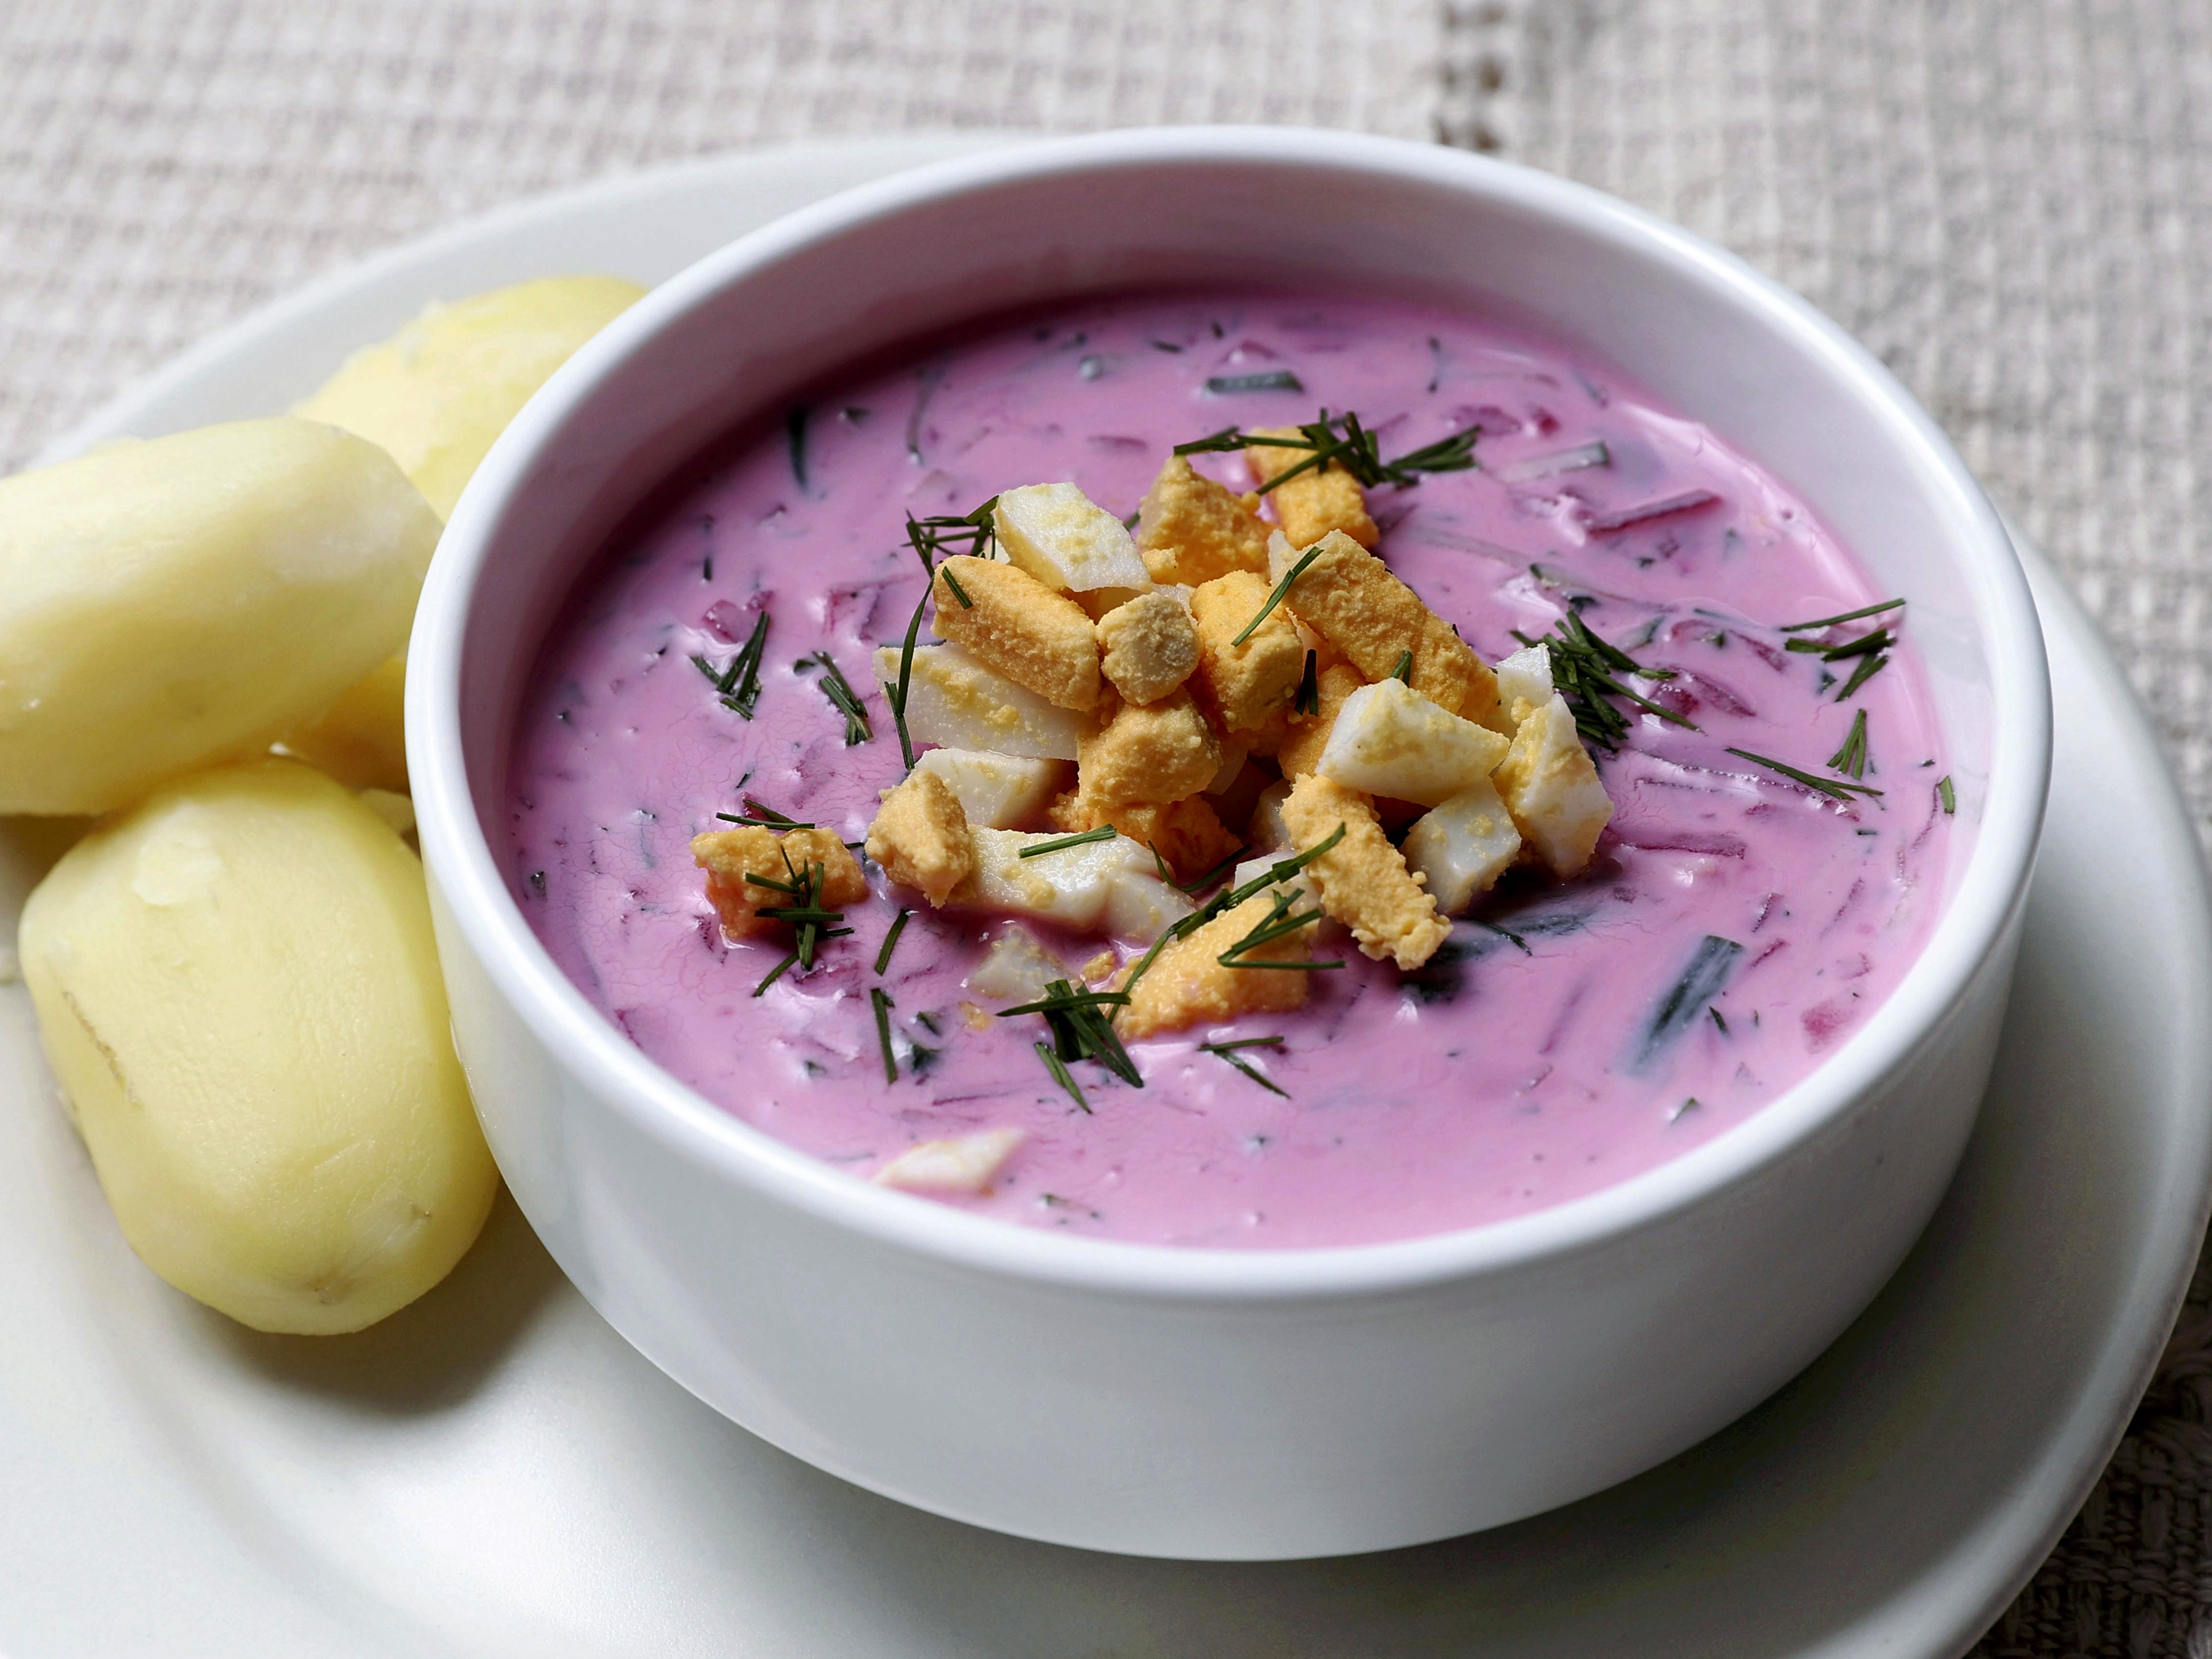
2010 201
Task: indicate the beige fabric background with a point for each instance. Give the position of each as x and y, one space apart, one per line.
2010 200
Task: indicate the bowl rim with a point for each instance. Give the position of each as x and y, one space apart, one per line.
618 1076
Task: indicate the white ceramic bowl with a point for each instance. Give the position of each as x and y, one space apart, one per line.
1196 1402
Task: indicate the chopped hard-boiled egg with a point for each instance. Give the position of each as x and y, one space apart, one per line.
1065 540
1389 740
1074 886
1463 846
964 1164
1552 788
997 792
1016 968
1524 678
954 701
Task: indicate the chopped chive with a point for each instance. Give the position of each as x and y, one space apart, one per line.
1851 756
1582 668
1103 832
1945 794
1403 673
1717 1020
775 974
766 816
882 1000
1342 441
1564 460
891 940
752 880
839 689
1277 380
1167 876
1307 700
1276 598
1281 921
1848 615
795 431
1227 1052
1054 1064
1281 870
1868 668
958 592
1842 792
1059 1001
1507 933
737 685
1199 883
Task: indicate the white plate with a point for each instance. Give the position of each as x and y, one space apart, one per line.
493 1471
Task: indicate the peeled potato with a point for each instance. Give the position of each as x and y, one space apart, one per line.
167 604
436 394
361 739
236 985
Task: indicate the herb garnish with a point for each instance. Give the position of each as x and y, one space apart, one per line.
1403 673
1276 598
1280 922
1227 1051
1868 668
1343 440
1079 1031
882 1000
795 431
1103 832
738 683
1828 787
891 940
1281 870
1848 615
763 817
968 533
811 923
839 689
1061 1075
958 592
1583 666
1945 794
1199 883
1275 379
1308 701
1851 757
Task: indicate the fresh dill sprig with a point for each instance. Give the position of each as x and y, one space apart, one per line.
1828 787
1062 1076
1227 1052
1228 899
1945 795
737 684
1281 588
839 689
882 1000
891 939
1308 701
1851 757
1103 832
1282 921
1341 439
1848 615
1584 668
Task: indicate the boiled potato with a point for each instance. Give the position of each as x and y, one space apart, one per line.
361 739
167 604
236 985
436 394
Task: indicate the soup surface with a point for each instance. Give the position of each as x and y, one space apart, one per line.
1737 923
